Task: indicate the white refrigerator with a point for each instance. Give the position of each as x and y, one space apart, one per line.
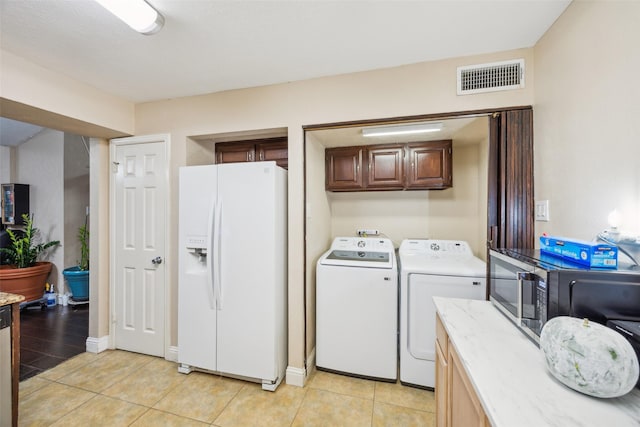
232 288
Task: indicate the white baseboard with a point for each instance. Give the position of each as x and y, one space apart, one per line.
296 376
171 354
299 376
97 345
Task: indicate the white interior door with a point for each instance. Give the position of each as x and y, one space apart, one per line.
138 243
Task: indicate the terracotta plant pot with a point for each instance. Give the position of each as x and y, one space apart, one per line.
28 281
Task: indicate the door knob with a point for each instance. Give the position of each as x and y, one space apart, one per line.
157 260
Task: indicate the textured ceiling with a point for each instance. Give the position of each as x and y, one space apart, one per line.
211 46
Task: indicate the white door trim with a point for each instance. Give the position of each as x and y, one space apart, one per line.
113 144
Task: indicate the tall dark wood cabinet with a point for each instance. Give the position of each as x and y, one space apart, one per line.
510 209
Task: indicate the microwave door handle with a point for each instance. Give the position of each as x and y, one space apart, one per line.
520 276
571 284
529 278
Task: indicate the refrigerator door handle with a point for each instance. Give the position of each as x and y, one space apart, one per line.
217 256
211 291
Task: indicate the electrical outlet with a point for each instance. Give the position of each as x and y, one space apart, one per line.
367 232
542 210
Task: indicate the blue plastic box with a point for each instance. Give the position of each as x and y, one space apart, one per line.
589 254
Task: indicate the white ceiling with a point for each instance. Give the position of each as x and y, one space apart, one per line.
211 46
215 45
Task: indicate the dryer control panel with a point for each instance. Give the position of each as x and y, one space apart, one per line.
372 252
442 248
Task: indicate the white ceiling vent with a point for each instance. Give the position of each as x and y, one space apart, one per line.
492 77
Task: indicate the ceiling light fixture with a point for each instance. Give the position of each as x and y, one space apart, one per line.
402 129
138 14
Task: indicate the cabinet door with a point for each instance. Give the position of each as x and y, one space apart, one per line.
441 387
386 167
464 408
344 168
274 150
429 165
235 152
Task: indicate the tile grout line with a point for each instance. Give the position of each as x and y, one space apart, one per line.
299 406
228 403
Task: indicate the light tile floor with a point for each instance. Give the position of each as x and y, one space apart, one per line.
118 388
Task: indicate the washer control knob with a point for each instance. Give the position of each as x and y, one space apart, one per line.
361 243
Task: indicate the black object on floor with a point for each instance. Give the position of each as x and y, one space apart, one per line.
50 336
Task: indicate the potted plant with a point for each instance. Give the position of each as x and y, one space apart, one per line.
77 277
25 275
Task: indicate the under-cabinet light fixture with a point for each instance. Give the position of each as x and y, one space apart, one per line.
138 14
402 129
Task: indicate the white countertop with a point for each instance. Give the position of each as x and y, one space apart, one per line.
511 379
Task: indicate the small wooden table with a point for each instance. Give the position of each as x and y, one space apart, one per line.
14 300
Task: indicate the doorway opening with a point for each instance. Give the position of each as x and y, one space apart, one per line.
55 165
490 202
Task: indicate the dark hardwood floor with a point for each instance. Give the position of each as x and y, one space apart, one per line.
50 336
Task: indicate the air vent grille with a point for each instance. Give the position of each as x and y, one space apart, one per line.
492 77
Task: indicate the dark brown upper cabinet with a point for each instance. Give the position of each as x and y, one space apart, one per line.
344 169
429 165
385 167
414 166
235 152
258 150
273 150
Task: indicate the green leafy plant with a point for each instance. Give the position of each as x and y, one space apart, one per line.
83 236
24 251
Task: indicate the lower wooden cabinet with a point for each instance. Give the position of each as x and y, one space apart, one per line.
441 387
457 404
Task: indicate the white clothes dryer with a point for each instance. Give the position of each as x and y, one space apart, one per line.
428 268
357 308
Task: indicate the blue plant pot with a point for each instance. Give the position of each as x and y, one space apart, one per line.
78 281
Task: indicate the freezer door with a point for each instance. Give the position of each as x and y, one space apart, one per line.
252 269
196 303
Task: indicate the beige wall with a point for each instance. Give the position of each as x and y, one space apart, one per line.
76 196
30 92
453 213
40 163
586 117
403 91
318 227
7 156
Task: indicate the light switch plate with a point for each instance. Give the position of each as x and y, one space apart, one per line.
542 210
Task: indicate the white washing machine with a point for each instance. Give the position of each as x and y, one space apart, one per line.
428 268
357 308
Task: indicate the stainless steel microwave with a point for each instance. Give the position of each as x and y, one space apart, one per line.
530 288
